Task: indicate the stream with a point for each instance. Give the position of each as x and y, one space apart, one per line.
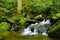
42 28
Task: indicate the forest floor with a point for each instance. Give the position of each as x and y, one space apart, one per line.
16 36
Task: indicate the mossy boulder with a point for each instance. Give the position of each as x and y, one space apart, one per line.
55 30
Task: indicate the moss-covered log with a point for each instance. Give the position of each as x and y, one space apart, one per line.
55 30
16 36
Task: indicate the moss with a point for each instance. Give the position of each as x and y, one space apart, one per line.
16 36
39 16
55 30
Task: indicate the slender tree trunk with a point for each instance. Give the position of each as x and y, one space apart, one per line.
26 9
26 6
19 3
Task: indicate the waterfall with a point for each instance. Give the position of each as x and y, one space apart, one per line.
26 31
35 32
45 22
42 27
44 33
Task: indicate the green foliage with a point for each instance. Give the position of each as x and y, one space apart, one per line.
19 18
4 26
55 9
40 8
37 6
22 21
56 16
7 7
8 10
49 8
16 17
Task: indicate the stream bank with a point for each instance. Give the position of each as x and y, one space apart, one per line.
11 35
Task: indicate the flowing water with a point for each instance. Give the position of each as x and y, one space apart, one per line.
39 28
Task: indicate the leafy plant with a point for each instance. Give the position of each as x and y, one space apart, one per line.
4 26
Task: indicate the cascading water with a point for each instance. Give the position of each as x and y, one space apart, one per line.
35 32
42 27
45 28
26 31
45 22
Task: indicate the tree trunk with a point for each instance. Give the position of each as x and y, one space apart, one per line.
26 9
19 4
26 6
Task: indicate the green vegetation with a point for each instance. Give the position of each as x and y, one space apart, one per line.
16 36
54 32
30 11
4 26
